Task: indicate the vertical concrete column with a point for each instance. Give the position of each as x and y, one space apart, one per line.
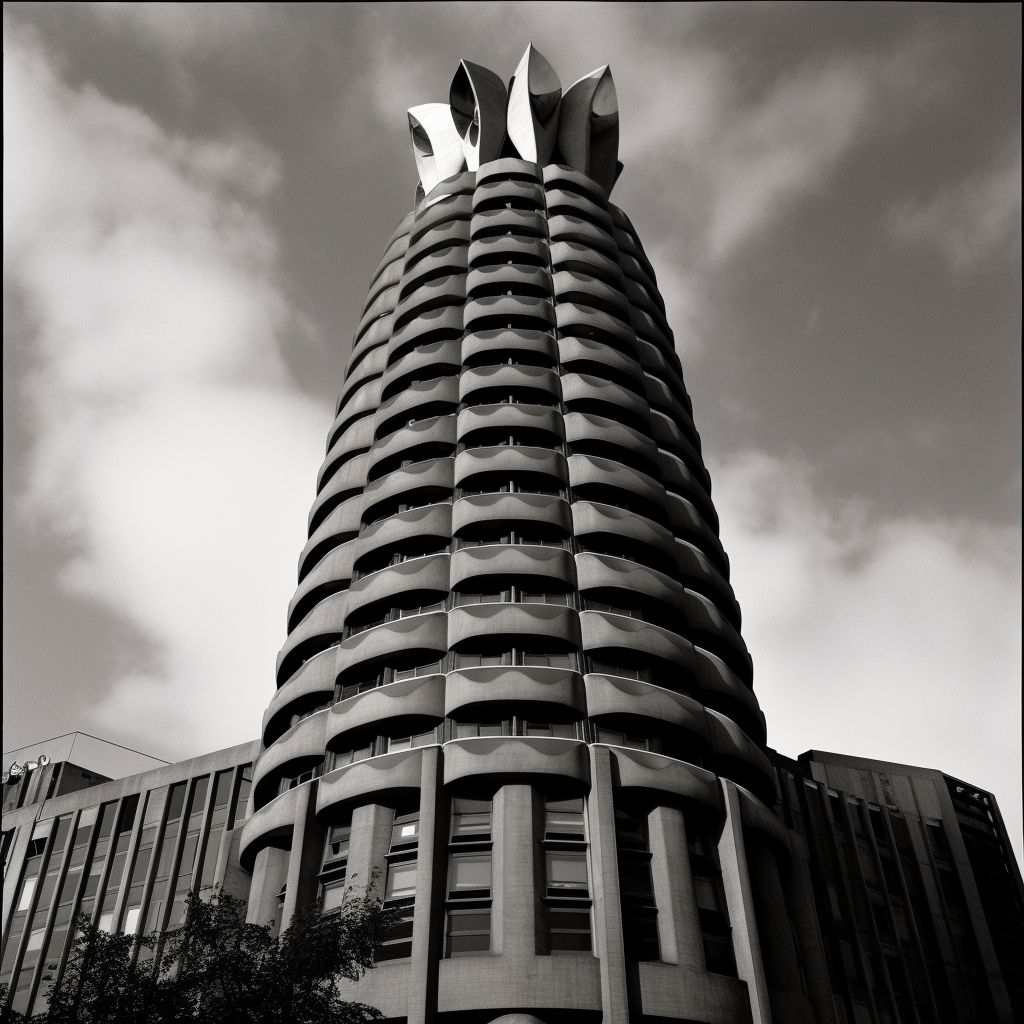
305 857
778 949
368 847
800 899
608 943
269 873
429 907
739 899
678 919
512 886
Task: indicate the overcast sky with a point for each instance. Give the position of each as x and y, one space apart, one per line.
196 195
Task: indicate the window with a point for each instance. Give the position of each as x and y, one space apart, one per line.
567 893
516 656
344 757
468 927
515 594
464 730
621 739
639 911
400 886
618 668
710 897
333 872
420 739
361 680
515 726
519 535
471 820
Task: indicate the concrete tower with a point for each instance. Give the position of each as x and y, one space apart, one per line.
514 696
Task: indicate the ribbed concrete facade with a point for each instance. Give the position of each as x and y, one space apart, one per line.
514 694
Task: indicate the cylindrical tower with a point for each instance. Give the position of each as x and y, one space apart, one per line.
514 696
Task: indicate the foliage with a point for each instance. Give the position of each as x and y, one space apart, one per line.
218 969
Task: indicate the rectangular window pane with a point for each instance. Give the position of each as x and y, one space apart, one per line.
401 880
471 819
567 871
563 819
333 895
470 872
469 931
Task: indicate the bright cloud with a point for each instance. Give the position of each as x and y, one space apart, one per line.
171 447
896 639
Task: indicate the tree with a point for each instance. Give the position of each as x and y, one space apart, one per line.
218 969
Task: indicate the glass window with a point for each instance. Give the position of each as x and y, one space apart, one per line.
471 820
427 669
560 730
563 819
401 879
333 894
567 873
469 931
406 831
470 875
469 729
569 929
343 757
420 739
337 842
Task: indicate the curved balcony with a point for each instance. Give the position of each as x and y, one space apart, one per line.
568 228
587 322
377 335
332 573
697 573
372 365
382 305
457 206
708 627
431 325
296 751
432 477
605 572
508 167
758 818
648 328
271 825
434 432
520 379
427 362
655 775
484 763
513 561
479 347
428 633
439 237
606 631
562 201
508 459
631 249
735 755
519 278
510 417
473 691
337 529
363 402
484 252
483 623
721 689
688 524
388 279
582 428
413 703
451 258
642 493
554 173
583 393
584 355
548 509
311 685
349 480
396 246
434 295
669 435
356 439
609 696
496 311
525 223
390 779
320 629
640 298
677 478
591 517
654 361
431 521
420 401
575 256
501 192
429 573
589 290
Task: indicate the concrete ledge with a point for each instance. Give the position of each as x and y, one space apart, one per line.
489 762
639 769
418 698
386 779
471 687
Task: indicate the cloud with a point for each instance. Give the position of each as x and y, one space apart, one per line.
971 220
897 639
171 447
